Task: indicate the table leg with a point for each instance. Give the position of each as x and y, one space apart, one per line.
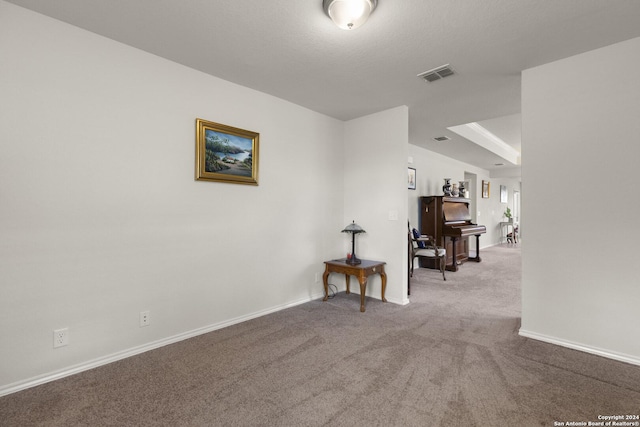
346 279
383 275
363 290
325 281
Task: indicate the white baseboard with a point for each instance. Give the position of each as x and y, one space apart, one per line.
100 361
581 347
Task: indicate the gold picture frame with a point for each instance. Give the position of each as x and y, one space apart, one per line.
485 189
226 154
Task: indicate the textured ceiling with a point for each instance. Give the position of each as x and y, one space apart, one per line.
290 49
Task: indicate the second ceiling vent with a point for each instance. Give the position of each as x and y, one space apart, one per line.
437 73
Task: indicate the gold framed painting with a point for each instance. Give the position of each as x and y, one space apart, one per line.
226 154
486 187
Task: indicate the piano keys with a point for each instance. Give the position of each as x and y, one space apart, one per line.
448 220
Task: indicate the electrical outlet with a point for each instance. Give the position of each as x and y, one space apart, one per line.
317 277
60 337
145 318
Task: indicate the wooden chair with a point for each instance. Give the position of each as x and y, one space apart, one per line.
423 246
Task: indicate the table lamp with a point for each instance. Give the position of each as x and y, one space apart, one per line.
354 229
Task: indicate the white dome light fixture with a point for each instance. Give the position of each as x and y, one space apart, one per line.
349 14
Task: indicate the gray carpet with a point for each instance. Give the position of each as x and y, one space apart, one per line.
450 358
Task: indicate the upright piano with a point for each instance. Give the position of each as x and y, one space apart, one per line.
448 220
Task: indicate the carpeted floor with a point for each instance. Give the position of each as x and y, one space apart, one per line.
451 358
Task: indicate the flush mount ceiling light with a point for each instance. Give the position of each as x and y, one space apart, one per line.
349 14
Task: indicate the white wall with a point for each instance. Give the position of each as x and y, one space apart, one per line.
101 216
580 159
375 180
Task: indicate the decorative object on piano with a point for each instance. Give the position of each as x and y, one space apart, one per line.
485 189
504 196
354 229
454 190
446 188
462 188
226 154
507 214
412 178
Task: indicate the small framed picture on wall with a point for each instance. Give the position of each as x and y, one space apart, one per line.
504 196
412 179
485 189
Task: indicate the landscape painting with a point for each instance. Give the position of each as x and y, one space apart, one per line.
226 154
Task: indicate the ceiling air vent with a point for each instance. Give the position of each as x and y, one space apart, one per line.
442 138
437 73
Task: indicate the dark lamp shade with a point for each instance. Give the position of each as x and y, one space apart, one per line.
353 228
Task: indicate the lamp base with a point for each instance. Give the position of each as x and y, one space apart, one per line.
353 260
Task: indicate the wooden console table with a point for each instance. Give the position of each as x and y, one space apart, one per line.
503 235
362 271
